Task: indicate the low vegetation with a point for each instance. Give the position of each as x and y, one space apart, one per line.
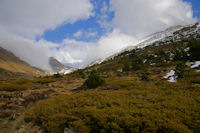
134 107
134 96
25 84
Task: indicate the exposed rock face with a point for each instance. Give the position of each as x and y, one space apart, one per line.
56 65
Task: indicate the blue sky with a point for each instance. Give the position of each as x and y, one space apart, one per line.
92 25
89 25
196 7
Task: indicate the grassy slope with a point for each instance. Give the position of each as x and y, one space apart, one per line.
133 107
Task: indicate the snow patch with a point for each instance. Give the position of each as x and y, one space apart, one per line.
195 64
187 49
152 64
66 71
145 60
171 76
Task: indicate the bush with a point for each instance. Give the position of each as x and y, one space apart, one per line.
57 75
194 50
180 55
136 63
126 67
80 72
180 70
145 77
94 80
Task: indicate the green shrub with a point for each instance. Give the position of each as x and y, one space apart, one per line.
94 80
81 73
136 63
180 55
194 50
126 67
145 77
57 75
180 70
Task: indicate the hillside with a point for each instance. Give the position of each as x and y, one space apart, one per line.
172 34
152 87
9 62
166 53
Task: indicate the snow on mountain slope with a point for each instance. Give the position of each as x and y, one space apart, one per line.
158 36
173 34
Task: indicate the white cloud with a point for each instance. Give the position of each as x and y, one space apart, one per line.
27 50
103 18
86 34
76 51
68 51
110 44
78 34
91 34
148 16
104 8
29 18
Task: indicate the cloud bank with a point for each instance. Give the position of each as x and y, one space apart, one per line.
27 50
136 17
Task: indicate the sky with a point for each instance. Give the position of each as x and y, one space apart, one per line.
77 32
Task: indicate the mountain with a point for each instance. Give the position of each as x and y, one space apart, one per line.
167 55
173 34
10 63
58 67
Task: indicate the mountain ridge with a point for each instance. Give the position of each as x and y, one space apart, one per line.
155 37
12 63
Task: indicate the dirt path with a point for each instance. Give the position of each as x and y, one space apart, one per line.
14 104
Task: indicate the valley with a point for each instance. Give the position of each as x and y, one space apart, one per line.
151 87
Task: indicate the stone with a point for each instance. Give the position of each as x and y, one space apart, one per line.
67 130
